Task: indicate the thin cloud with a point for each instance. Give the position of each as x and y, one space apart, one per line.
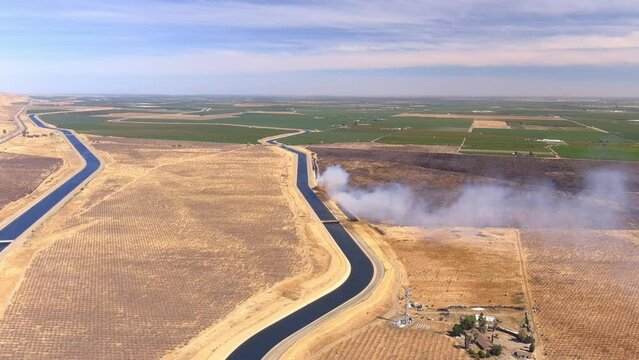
560 51
200 38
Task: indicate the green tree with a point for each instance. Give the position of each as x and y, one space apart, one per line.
458 329
524 337
531 348
496 350
468 322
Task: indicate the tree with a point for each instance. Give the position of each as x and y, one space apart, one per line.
531 348
496 350
524 337
465 323
482 322
468 322
458 329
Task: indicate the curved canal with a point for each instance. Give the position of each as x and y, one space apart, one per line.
22 223
361 275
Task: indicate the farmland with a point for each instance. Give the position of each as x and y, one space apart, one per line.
89 122
585 286
586 130
378 341
148 252
22 174
441 265
578 280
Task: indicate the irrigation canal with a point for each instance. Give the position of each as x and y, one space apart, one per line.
22 223
360 276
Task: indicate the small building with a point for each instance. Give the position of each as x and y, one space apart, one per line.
477 337
522 354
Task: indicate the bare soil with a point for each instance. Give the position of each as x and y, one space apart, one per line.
460 266
490 124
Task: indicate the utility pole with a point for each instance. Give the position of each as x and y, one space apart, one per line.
407 318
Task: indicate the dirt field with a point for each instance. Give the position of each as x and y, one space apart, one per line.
490 124
22 174
461 266
147 256
378 341
585 287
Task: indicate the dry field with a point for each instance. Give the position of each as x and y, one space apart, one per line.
585 287
49 145
153 252
378 341
9 106
20 175
489 124
460 266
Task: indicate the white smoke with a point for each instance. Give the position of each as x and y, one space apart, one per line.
599 205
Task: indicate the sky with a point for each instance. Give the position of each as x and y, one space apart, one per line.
304 48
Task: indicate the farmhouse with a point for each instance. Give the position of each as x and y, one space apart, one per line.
482 340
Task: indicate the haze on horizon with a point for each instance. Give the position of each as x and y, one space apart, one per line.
354 48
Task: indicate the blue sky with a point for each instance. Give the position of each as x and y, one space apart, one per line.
380 48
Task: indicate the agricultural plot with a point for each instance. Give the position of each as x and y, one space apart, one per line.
628 129
379 341
421 131
503 126
22 174
88 123
163 244
585 287
580 142
442 265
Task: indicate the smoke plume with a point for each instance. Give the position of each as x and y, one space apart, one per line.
599 205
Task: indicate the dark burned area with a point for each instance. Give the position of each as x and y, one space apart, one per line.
439 177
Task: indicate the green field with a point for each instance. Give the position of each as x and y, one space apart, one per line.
84 123
335 120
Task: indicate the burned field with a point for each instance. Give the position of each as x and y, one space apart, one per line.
22 174
163 244
577 280
440 177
